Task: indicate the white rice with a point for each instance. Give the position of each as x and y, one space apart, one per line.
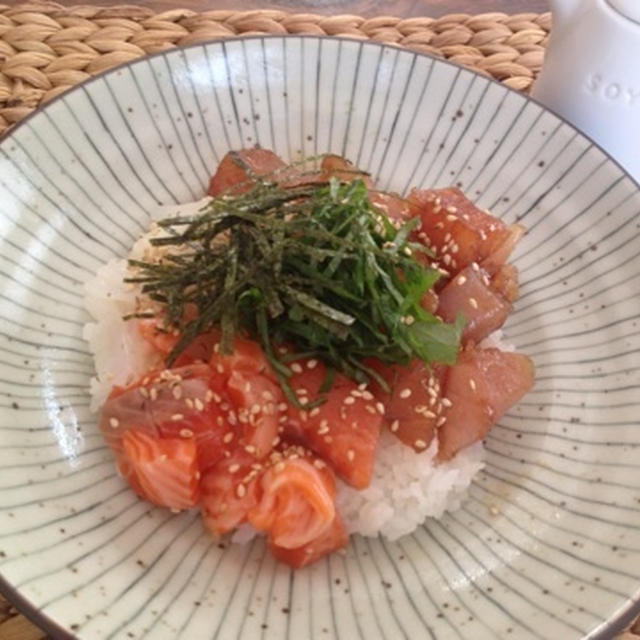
406 487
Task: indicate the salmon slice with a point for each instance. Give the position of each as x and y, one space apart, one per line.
161 470
199 350
471 293
258 401
480 388
297 500
238 169
229 490
343 430
456 230
334 538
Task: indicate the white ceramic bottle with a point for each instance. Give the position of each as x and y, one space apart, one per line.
591 73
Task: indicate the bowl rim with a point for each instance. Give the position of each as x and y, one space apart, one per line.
609 628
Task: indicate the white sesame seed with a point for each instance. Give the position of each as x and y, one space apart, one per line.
189 402
351 455
446 402
451 218
219 368
304 415
247 387
278 467
440 421
380 408
461 280
153 393
405 393
420 444
114 422
176 417
275 442
234 468
241 491
228 437
186 433
362 386
395 425
446 258
312 364
296 368
282 406
144 392
473 302
198 404
255 409
367 395
475 266
174 510
177 392
349 400
250 448
216 397
314 412
452 209
319 464
303 400
370 409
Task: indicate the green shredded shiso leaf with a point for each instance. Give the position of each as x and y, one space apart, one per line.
317 267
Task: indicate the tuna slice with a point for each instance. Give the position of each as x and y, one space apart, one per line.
481 387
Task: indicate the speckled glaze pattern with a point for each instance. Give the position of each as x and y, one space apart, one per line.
547 544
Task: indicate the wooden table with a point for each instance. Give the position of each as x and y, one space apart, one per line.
16 627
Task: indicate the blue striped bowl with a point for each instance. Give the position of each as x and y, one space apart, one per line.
547 544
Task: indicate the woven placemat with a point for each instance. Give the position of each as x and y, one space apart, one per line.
45 48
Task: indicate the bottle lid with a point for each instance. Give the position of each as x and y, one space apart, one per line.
628 8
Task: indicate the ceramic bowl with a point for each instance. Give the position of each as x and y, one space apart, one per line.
547 545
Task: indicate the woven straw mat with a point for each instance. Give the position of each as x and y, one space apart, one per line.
46 48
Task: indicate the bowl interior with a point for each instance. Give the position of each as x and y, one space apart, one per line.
545 546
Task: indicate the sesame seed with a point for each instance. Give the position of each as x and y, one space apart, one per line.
176 417
446 402
356 393
432 392
319 464
409 320
197 475
351 455
228 437
451 218
275 442
153 393
302 400
114 422
420 444
461 280
241 491
349 400
452 209
282 406
367 395
312 364
174 510
304 415
234 468
314 412
247 387
380 408
296 368
395 425
473 302
267 395
278 467
446 258
186 433
370 409
440 421
199 404
475 266
143 392
219 368
189 402
405 393
250 448
255 409
362 386
447 237
472 384
216 397
301 391
232 418
177 392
